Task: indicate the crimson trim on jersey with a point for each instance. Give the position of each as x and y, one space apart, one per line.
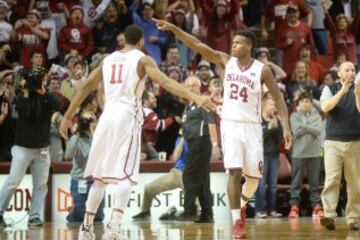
247 67
103 179
251 176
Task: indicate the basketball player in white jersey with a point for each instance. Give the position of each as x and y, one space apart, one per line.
115 151
240 116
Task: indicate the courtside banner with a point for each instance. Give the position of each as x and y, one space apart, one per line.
62 200
21 200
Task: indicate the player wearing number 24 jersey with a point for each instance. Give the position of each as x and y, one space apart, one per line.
115 150
241 115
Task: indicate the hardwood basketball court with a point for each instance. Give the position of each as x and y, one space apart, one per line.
304 228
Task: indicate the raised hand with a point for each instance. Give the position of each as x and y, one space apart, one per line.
163 25
206 103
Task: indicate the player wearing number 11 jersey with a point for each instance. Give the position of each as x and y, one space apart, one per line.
241 115
115 150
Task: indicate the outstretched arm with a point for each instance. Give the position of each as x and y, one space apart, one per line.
271 84
195 44
149 67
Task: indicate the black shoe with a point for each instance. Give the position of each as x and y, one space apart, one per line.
205 219
35 222
354 226
2 222
168 215
328 223
186 217
142 216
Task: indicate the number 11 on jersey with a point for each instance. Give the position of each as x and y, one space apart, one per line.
116 69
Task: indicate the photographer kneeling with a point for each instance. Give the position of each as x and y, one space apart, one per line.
35 107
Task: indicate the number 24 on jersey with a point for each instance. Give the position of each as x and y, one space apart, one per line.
236 92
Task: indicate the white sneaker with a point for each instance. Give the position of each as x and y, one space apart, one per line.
113 232
85 234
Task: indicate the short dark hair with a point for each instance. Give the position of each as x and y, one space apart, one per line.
133 34
82 63
305 95
172 46
35 52
249 35
89 99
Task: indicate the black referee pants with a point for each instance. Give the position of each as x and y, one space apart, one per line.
196 176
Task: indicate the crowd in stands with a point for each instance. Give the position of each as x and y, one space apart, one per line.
69 38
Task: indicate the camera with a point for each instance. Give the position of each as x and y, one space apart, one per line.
34 78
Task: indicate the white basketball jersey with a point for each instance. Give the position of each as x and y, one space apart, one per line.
121 81
242 92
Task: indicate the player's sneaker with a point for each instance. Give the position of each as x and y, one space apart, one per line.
318 212
261 215
239 231
113 231
142 216
86 234
294 212
275 214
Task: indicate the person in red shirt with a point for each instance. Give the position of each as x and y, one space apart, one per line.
218 20
291 36
316 70
75 38
343 34
276 11
153 124
31 37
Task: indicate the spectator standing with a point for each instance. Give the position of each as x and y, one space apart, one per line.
306 126
93 10
31 37
291 36
48 21
341 101
172 59
265 196
7 119
112 24
204 73
218 20
316 70
6 29
343 34
317 27
76 38
35 107
276 11
300 81
155 40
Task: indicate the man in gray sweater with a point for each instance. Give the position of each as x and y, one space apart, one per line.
306 127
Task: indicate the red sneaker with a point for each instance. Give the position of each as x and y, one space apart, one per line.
294 212
318 212
239 231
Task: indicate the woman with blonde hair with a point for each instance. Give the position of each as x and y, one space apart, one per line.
300 81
